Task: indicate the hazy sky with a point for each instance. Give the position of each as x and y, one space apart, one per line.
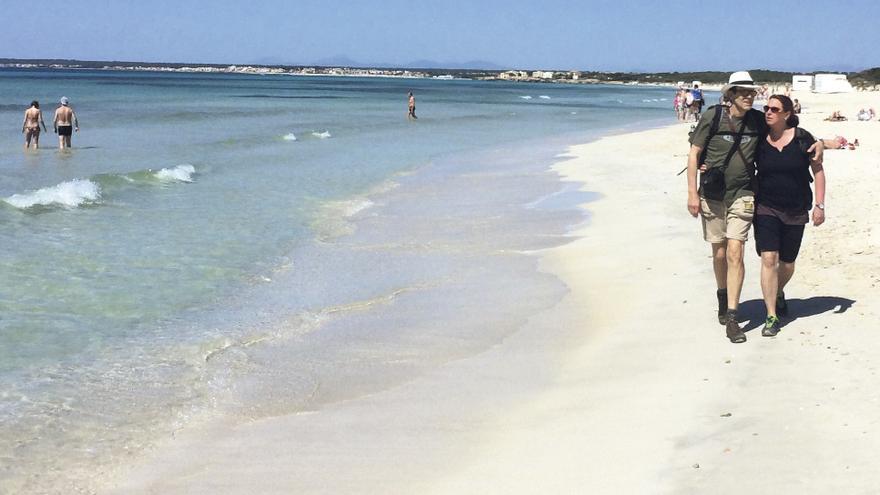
551 34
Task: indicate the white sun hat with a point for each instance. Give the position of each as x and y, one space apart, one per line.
740 79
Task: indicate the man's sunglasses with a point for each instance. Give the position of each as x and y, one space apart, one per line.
744 92
768 108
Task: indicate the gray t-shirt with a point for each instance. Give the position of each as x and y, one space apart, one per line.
739 173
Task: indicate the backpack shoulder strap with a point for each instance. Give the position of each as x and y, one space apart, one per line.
713 130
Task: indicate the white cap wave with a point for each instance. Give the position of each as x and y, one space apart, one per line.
67 194
180 173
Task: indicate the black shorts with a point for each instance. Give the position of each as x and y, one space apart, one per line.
773 235
65 130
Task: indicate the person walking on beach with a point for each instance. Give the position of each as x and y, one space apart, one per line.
723 145
33 119
412 107
698 101
65 123
783 202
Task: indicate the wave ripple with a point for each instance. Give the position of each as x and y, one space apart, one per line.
67 194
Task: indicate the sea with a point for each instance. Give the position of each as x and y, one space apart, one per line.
220 246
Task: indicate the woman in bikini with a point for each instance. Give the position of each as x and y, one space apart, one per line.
33 118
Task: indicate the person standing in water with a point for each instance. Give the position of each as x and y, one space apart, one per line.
65 123
33 118
412 107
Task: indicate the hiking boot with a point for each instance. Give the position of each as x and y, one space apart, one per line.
771 327
734 332
722 305
781 305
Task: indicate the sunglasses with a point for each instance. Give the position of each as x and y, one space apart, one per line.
769 109
744 92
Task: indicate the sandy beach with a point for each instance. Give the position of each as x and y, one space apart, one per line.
628 385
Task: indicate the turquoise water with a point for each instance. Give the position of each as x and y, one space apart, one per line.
231 245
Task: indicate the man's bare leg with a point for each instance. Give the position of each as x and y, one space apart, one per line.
719 263
735 272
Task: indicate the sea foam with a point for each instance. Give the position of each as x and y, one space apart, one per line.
289 137
180 173
67 194
322 134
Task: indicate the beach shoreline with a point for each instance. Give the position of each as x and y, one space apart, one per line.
628 384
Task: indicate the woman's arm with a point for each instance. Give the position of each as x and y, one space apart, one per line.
819 176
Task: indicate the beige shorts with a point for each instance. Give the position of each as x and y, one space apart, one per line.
720 223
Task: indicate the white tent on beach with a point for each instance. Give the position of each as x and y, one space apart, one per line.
831 83
801 83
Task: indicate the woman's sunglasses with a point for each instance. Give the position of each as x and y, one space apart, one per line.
768 108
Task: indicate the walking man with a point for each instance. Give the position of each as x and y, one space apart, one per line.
65 123
724 144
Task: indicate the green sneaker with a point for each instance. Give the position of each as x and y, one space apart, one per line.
771 327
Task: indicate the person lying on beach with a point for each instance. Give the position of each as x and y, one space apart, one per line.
863 115
33 118
835 117
65 122
783 202
839 143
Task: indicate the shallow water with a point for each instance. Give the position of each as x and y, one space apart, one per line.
256 245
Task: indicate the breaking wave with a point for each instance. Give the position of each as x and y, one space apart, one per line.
67 194
180 173
96 189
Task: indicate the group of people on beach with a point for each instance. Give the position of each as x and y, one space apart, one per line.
755 172
64 124
688 103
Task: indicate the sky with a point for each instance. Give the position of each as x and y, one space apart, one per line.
802 35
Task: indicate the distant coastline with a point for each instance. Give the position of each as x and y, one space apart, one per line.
864 80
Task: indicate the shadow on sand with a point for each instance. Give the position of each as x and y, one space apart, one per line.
754 311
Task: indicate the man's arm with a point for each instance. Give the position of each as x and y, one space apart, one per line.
75 121
817 150
24 123
693 201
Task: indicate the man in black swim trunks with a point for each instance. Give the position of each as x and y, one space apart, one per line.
65 123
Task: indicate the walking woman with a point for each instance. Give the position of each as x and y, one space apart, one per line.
784 200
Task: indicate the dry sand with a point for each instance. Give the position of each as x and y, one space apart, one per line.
629 384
